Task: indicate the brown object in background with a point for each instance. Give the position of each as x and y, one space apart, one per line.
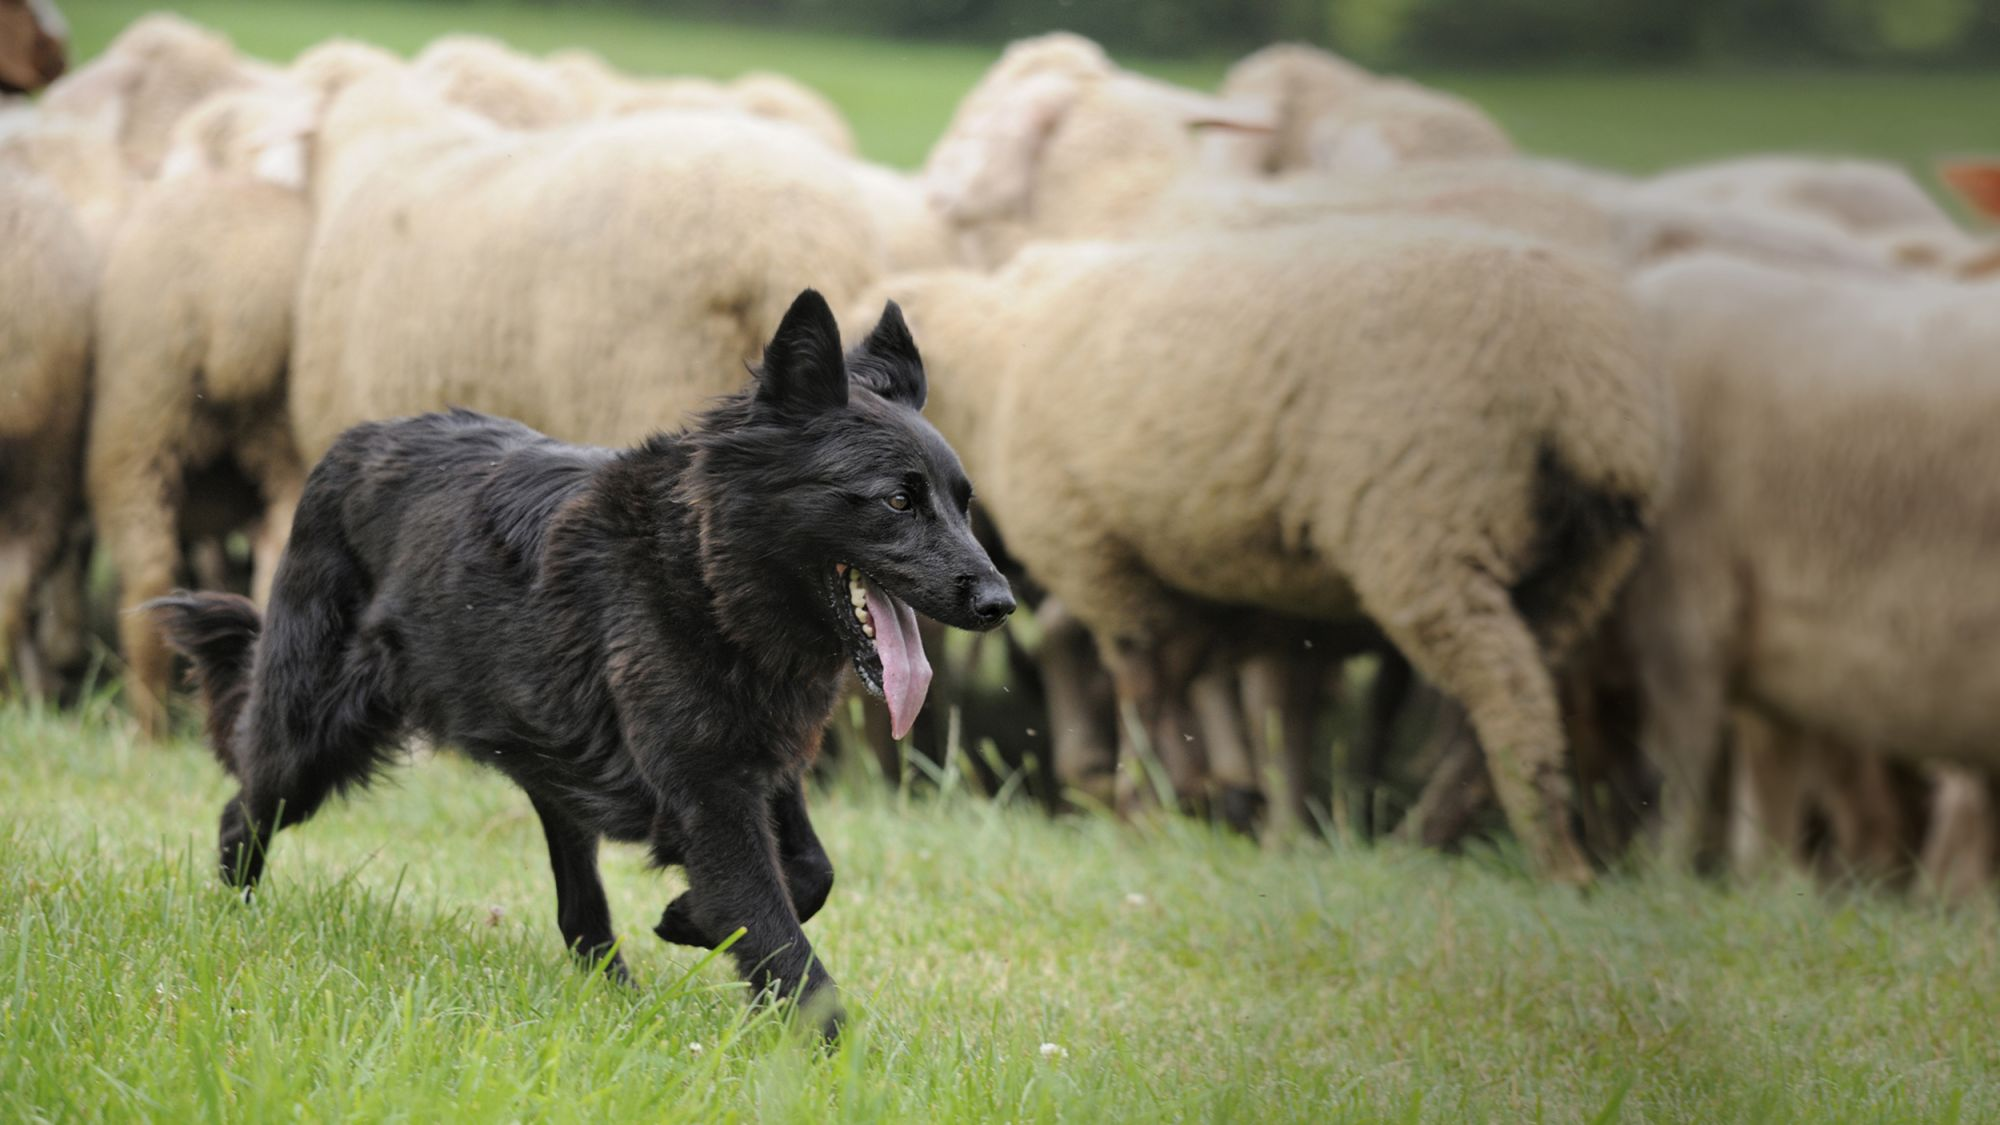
1976 181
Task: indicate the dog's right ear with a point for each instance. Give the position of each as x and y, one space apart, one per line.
802 373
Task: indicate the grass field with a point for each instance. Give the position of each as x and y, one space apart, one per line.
402 962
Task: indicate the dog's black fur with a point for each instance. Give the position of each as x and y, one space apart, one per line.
648 641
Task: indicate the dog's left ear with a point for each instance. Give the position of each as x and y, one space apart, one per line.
887 361
802 373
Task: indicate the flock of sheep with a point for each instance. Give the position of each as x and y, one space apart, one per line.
1249 383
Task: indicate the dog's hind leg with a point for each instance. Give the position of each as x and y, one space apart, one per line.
582 913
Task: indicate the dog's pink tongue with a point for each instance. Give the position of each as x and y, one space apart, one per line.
906 672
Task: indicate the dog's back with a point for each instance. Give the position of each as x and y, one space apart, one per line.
400 491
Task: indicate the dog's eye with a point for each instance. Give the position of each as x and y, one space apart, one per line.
900 501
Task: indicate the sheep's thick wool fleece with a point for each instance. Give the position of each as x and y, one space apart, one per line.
599 282
1828 551
1290 405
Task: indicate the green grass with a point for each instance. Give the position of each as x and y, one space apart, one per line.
402 961
899 95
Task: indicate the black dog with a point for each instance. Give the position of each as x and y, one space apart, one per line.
648 641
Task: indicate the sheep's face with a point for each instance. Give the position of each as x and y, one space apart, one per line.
33 45
839 480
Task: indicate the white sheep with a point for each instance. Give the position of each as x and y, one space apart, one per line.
1334 116
153 72
491 79
1825 558
598 281
1057 142
1395 420
194 334
1859 196
44 380
1875 202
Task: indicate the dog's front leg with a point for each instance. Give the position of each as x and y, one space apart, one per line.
808 871
734 880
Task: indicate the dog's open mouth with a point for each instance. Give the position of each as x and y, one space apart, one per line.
888 653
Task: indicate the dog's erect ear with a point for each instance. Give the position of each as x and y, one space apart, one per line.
887 361
802 373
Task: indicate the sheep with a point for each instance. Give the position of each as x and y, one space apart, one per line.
490 79
778 98
1858 196
774 97
1335 116
1595 212
698 229
1344 419
194 331
153 72
44 364
1057 142
79 159
34 44
1875 202
1824 560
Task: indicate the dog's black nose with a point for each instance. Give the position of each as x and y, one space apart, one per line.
992 601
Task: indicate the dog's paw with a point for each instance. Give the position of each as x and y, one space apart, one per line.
677 925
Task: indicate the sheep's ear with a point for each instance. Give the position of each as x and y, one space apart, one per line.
280 148
1977 182
986 165
802 373
887 361
1229 115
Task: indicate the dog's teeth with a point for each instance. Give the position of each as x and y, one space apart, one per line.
861 614
857 597
868 631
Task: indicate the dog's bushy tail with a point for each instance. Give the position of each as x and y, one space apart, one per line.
219 633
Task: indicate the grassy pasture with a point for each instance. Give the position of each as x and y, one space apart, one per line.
402 962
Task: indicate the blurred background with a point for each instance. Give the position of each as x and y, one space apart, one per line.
1638 85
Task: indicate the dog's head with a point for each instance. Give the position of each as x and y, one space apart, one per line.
861 499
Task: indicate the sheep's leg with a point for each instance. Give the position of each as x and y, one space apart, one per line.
1085 760
146 550
1858 794
1461 631
1153 678
1957 860
1281 696
269 456
1232 761
37 490
1368 761
16 581
1767 806
268 545
1458 788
